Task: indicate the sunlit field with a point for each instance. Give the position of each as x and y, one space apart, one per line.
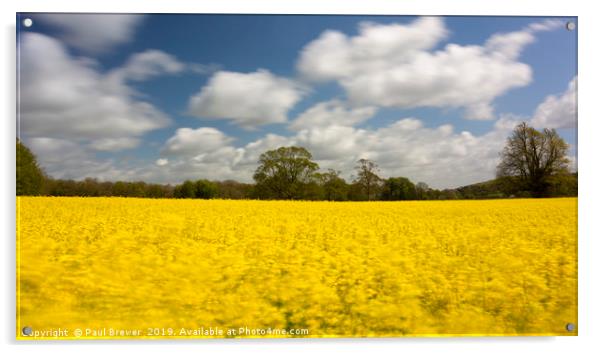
174 268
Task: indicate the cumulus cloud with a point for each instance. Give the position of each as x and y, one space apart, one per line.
248 99
439 156
93 33
66 97
204 152
251 152
558 111
333 112
148 64
64 159
208 153
396 66
332 142
334 55
193 142
510 45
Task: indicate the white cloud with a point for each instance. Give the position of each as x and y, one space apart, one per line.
196 153
193 142
248 99
162 162
208 153
335 56
64 159
438 156
333 112
252 151
114 144
547 25
510 45
65 97
69 108
558 111
93 33
332 142
148 64
395 66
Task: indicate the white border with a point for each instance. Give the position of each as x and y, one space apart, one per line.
590 231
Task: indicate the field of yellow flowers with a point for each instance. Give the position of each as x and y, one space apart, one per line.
127 268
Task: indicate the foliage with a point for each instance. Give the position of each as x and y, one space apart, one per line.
398 189
284 172
533 157
560 185
200 189
367 178
563 184
230 189
30 177
422 190
205 189
335 187
337 269
93 187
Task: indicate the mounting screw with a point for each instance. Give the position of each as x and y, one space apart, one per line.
570 327
26 331
28 22
570 26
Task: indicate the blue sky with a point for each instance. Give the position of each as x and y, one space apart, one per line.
164 98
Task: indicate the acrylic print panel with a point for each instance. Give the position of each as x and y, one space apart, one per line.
249 176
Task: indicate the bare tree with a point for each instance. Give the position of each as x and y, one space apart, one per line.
532 156
422 189
368 178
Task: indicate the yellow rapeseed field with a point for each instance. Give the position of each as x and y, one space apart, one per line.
190 268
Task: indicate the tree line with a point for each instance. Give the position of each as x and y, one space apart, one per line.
533 164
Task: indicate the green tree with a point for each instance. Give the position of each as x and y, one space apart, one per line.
205 189
284 172
449 194
367 178
30 178
533 157
90 187
187 190
398 189
155 191
313 190
563 184
119 189
230 189
335 187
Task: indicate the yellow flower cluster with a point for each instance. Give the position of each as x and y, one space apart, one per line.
336 269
